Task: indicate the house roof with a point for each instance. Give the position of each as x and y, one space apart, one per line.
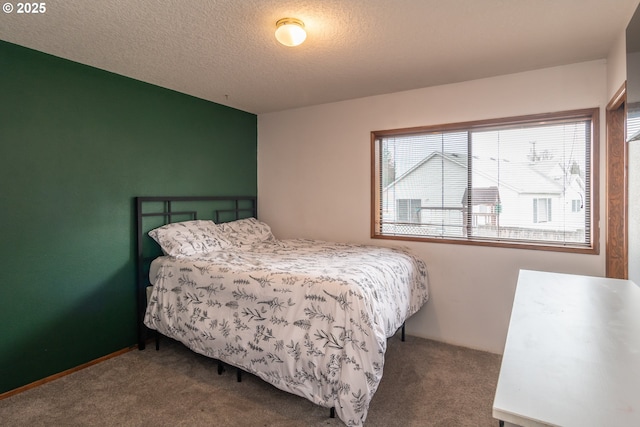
225 51
454 158
542 177
482 196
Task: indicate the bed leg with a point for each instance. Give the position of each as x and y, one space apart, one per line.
239 374
220 367
332 412
403 332
142 337
157 340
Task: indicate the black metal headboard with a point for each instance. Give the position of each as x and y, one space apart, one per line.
155 211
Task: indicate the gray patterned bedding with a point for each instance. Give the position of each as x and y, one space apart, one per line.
312 318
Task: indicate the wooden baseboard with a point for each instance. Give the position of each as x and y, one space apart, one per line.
63 373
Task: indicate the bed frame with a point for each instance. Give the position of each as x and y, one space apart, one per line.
155 211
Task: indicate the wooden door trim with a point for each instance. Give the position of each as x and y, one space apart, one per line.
616 252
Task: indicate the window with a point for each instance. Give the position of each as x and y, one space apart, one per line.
408 210
515 182
633 122
576 205
541 210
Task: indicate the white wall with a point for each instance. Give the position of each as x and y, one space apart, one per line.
314 181
617 65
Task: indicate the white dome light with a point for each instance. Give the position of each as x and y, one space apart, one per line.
290 31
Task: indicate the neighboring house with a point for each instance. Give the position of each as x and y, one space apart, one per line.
530 199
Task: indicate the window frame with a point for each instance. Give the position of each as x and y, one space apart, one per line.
592 184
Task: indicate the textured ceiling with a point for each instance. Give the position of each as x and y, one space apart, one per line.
225 51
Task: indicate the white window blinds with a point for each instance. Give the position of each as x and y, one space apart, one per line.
513 181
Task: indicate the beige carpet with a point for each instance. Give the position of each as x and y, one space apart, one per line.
425 383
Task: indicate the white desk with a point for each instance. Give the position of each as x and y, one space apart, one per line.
572 355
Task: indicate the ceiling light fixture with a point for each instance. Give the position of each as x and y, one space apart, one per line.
290 31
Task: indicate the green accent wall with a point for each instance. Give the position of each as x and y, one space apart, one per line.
77 144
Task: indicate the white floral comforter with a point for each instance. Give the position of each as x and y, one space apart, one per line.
312 318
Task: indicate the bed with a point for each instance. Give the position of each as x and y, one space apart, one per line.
309 317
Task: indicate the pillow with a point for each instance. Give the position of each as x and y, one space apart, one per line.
189 238
246 232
